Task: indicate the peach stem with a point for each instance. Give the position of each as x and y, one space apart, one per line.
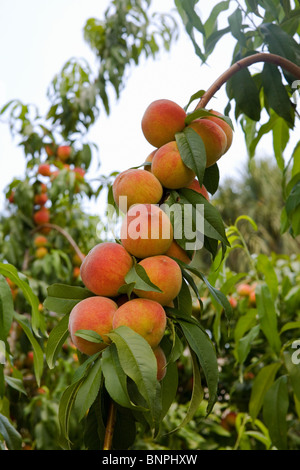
110 425
246 62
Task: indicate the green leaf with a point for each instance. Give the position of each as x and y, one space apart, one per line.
235 22
62 298
56 339
37 320
261 384
267 316
192 151
275 407
137 278
89 335
12 438
197 393
213 223
38 355
243 347
115 378
211 178
281 43
169 387
66 405
6 308
242 88
265 266
88 390
276 94
200 343
139 363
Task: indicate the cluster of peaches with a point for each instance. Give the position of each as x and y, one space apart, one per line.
146 236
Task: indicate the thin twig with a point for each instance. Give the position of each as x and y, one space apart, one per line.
246 62
65 234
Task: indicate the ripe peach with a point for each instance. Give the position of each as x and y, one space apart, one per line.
145 317
138 186
195 185
176 251
214 139
50 149
165 274
244 290
76 272
226 127
161 120
64 152
40 199
79 173
161 362
44 169
169 168
104 268
96 314
146 231
149 160
42 216
40 240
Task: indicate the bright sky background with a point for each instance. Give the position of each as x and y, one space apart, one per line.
38 37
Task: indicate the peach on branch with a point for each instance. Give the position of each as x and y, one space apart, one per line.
64 152
42 216
145 317
161 362
104 268
169 168
161 121
195 185
136 186
40 199
40 240
44 169
224 125
149 160
213 136
146 231
95 314
175 251
41 252
165 274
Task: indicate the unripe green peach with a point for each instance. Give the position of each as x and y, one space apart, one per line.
169 168
138 187
104 268
145 317
146 231
161 121
165 274
96 314
214 139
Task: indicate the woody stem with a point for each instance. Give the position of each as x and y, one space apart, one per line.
246 62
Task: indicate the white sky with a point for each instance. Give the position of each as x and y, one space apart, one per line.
38 37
